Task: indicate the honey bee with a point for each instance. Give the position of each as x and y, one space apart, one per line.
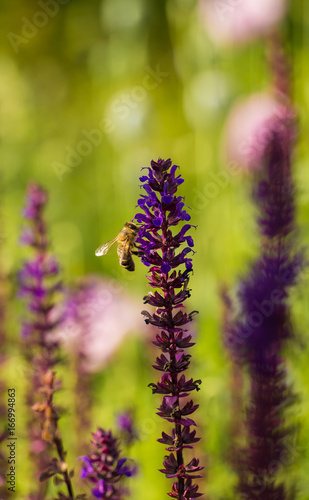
126 245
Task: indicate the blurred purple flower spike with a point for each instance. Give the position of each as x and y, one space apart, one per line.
38 281
259 334
39 284
278 265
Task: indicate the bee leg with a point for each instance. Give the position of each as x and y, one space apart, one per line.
139 253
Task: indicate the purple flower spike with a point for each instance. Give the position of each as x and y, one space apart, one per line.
159 248
38 285
38 278
258 337
104 469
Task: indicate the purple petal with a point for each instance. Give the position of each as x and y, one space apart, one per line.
158 221
190 241
165 268
167 199
173 169
185 215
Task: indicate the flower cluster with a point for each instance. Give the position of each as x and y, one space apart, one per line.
103 467
158 245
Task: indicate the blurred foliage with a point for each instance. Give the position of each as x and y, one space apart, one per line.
89 70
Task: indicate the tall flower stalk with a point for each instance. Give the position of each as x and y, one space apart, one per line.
263 327
158 243
39 284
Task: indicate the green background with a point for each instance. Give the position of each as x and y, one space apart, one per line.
88 66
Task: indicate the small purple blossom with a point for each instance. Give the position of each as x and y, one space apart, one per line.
104 468
35 202
126 426
160 249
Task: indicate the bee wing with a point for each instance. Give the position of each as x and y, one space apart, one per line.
103 249
125 249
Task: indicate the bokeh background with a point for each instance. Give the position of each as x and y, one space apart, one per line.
90 93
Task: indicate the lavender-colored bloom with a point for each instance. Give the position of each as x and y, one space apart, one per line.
104 468
163 208
38 281
93 326
258 336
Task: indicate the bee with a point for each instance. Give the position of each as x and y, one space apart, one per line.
126 245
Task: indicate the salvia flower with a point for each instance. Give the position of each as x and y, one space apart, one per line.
104 468
167 252
38 279
263 293
259 334
38 285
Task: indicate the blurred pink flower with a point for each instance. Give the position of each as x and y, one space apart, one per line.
247 129
96 321
235 21
38 446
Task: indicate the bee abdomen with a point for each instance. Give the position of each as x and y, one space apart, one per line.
125 257
128 263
